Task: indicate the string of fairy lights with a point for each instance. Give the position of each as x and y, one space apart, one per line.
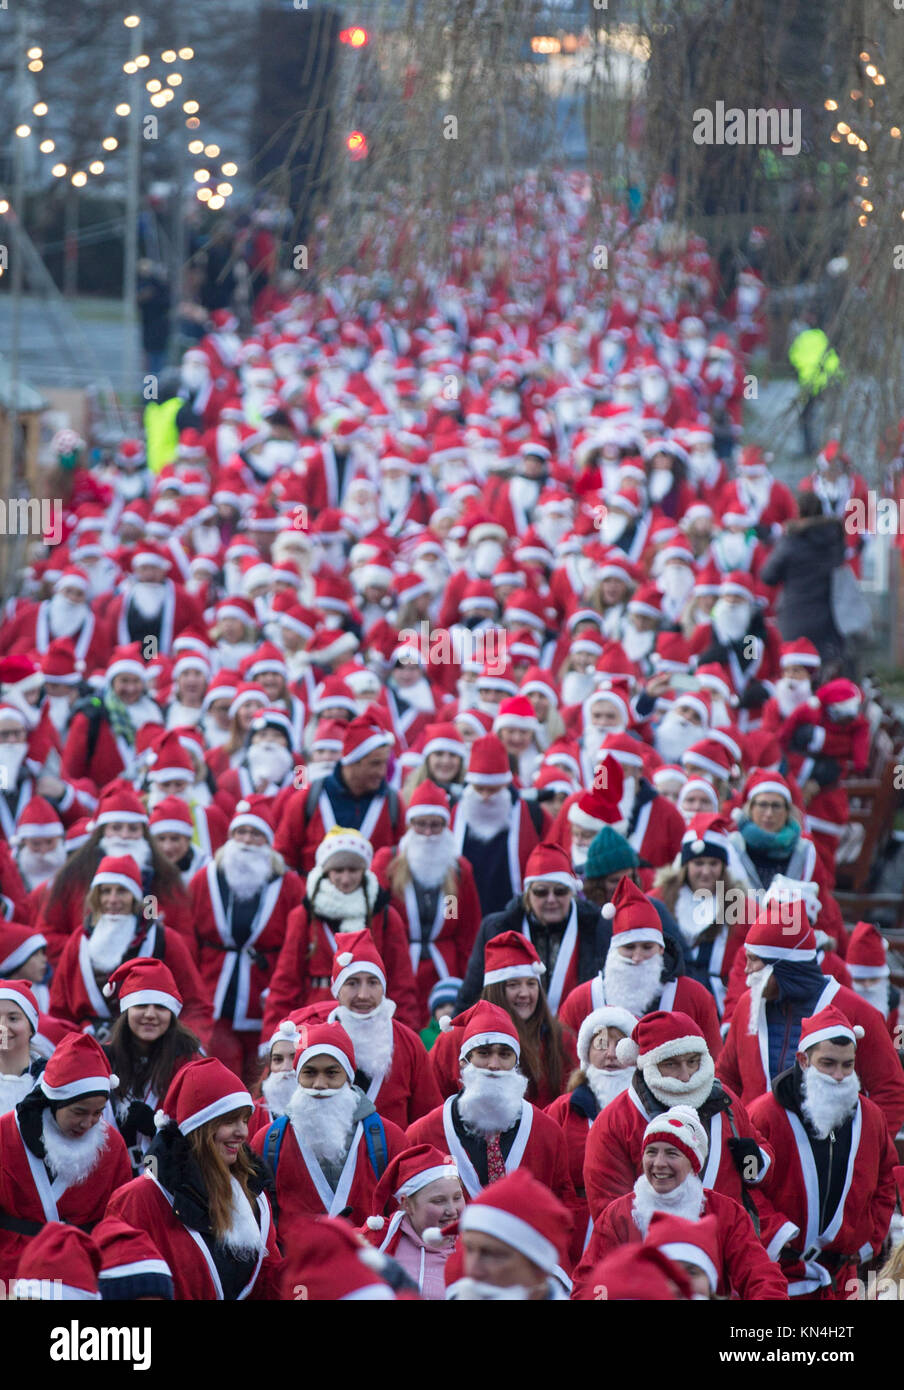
845 132
161 91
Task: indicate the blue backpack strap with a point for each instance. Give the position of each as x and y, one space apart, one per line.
375 1139
273 1141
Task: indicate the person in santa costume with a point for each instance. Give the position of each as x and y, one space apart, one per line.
835 1159
769 840
674 1067
172 829
21 1063
672 1184
354 794
61 1262
799 663
65 616
636 973
118 927
100 744
277 1085
267 668
418 1194
785 986
266 764
494 827
202 1198
149 604
341 894
444 755
742 640
867 963
433 891
59 1158
692 1245
22 779
146 1047
172 774
566 932
241 903
488 1127
331 1146
131 1268
512 1244
513 979
119 826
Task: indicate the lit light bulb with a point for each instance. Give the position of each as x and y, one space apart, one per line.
895 132
871 70
224 189
831 105
96 166
169 55
47 146
230 169
40 108
195 146
191 108
131 21
130 67
110 143
80 179
186 53
153 84
35 52
158 99
143 60
123 108
202 176
23 131
205 195
4 207
192 123
36 65
216 202
211 151
58 170
175 79
862 220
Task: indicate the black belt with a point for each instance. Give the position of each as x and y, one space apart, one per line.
21 1226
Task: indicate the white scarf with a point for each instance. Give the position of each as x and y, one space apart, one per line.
686 1200
348 908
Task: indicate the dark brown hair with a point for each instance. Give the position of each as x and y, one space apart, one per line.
162 1057
542 1054
74 878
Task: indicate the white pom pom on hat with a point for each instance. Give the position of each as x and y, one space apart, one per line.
627 1052
736 814
538 967
345 959
108 990
432 1236
243 806
859 1031
445 1024
373 1259
161 1119
813 702
114 1080
376 1223
698 846
608 911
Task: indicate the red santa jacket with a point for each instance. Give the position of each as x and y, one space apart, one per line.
302 974
744 1061
452 932
144 1204
522 839
101 764
407 1091
30 631
308 814
255 959
655 835
63 914
829 963
745 1269
180 610
76 997
682 995
27 1193
859 1224
302 1188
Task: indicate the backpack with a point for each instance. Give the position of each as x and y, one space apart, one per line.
374 1138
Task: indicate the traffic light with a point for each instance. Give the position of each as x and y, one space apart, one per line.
356 37
356 144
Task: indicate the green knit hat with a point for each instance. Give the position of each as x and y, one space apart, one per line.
609 853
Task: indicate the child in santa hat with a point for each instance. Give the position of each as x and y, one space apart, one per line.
421 1191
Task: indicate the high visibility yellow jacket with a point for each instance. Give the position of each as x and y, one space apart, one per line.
814 359
160 431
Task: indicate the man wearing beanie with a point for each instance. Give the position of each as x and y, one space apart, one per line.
834 1160
611 858
674 1157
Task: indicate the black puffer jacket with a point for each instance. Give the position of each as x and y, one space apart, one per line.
803 562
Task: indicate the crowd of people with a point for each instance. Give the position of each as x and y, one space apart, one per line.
417 832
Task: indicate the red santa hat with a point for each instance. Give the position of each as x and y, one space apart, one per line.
326 1039
525 1215
491 678
236 607
363 736
223 686
288 1031
690 1242
127 661
328 735
594 809
827 1025
484 1024
19 992
327 1260
172 816
61 1261
626 751
488 765
510 956
549 863
406 1174
356 951
39 819
706 835
668 773
171 762
640 1274
78 1067
131 1265
866 959
443 738
61 664
680 1126
334 693
609 1016
428 800
121 870
120 803
633 916
256 811
710 755
799 653
782 931
658 1036
203 1090
763 780
245 693
267 658
144 980
78 834
273 718
516 712
739 584
840 698
646 602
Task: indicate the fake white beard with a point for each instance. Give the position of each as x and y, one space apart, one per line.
487 555
227 437
689 915
674 735
65 616
551 529
278 1089
592 741
246 867
372 1035
429 856
827 1103
731 623
12 756
323 1120
755 490
576 686
144 711
147 598
243 1237
660 484
72 1160
232 654
677 582
877 995
669 1091
268 763
789 694
702 464
59 707
435 574
732 548
139 850
613 528
110 939
38 868
485 818
491 1100
419 696
606 1085
467 1290
395 493
179 716
685 1200
637 644
757 983
632 987
13 1089
214 736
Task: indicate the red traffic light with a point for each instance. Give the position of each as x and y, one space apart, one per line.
355 37
356 144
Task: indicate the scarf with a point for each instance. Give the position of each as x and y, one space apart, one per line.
120 721
778 845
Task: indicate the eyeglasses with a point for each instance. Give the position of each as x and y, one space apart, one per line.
557 892
421 827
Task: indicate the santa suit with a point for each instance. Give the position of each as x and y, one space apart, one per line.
450 936
614 1160
407 1091
302 974
76 996
123 623
828 962
744 1269
512 850
59 918
302 1188
859 1222
777 507
744 1061
683 995
144 1204
302 826
70 807
446 1069
30 631
109 759
655 828
28 1194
